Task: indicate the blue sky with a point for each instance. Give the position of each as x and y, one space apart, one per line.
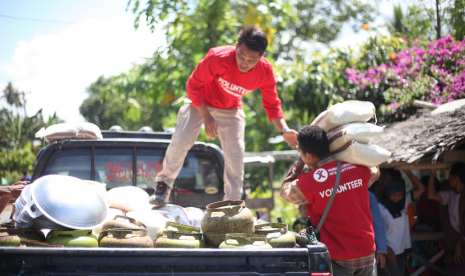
54 62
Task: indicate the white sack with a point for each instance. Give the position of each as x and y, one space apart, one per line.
344 113
360 132
128 198
58 132
88 131
100 188
368 155
70 131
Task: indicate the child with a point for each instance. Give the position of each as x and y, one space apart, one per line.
393 204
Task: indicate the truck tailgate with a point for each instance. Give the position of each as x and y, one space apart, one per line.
162 261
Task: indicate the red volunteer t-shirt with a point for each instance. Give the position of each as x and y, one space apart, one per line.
218 83
348 228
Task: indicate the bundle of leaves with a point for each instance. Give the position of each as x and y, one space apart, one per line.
433 72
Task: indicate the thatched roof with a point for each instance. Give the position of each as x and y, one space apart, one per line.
424 135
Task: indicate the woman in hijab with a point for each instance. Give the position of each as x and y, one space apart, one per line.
393 204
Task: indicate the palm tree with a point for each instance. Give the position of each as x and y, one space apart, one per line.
13 96
397 23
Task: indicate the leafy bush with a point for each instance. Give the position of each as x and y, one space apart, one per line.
12 177
431 72
20 160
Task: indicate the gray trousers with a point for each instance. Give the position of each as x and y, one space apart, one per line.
339 270
231 128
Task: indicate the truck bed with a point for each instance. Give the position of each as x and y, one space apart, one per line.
163 261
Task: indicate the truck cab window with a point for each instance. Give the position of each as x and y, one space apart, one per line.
72 162
197 173
114 167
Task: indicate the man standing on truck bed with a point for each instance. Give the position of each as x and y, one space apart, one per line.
214 90
347 230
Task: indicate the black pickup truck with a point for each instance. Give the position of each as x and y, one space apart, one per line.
111 161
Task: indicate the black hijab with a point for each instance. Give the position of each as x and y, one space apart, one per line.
393 185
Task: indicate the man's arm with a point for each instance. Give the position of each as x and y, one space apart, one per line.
211 126
432 193
418 187
202 75
12 191
272 105
290 135
374 175
290 191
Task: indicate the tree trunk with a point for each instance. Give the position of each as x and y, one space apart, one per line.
7 155
459 19
438 20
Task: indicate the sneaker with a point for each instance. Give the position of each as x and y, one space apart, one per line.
161 195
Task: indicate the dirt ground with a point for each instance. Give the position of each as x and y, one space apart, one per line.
6 213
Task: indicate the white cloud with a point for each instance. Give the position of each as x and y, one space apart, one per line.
56 69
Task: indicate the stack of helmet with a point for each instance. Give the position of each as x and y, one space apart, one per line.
59 202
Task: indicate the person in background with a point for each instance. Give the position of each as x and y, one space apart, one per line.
9 193
25 177
378 228
347 231
214 90
455 200
427 221
300 222
393 204
384 176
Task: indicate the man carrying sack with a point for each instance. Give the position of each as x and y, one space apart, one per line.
344 225
214 90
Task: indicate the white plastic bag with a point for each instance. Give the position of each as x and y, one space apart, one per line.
368 155
360 132
153 219
177 212
195 216
344 113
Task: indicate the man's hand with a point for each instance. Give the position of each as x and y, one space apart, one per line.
458 258
17 188
381 259
391 257
211 126
290 136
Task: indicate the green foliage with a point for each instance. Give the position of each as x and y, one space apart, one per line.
287 211
430 19
12 177
13 96
22 159
17 129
